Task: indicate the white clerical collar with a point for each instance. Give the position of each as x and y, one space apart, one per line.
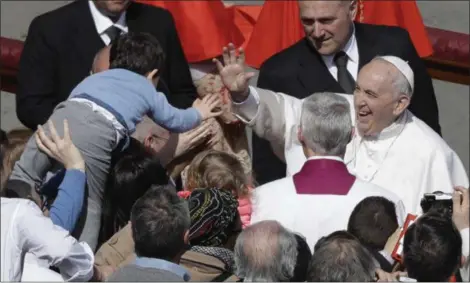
391 131
102 22
326 157
350 49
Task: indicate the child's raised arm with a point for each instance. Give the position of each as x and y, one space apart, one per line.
182 120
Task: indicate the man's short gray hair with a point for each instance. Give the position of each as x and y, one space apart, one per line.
340 260
265 251
326 123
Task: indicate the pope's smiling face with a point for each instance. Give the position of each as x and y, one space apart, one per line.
377 101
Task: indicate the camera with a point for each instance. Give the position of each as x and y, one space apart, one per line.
437 202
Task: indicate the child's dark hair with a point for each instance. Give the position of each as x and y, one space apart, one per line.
132 174
138 52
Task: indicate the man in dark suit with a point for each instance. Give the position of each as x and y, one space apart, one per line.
329 59
61 44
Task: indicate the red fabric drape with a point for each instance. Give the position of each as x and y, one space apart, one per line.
404 14
204 27
245 18
279 26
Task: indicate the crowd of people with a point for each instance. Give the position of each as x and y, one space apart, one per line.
136 165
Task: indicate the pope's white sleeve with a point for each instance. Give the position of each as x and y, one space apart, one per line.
246 110
48 242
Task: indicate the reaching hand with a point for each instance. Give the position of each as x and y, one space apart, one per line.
383 276
61 149
232 72
189 140
102 272
209 106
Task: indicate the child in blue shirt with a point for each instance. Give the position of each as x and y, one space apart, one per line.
103 111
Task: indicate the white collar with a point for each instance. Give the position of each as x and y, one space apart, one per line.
102 22
330 157
393 130
350 49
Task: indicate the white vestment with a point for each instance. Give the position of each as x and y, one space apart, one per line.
25 229
409 161
314 215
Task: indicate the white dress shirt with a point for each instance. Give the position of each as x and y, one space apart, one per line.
353 59
102 22
25 229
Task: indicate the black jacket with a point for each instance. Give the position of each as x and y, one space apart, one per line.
300 71
59 51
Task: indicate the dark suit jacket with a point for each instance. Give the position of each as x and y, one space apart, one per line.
300 71
60 48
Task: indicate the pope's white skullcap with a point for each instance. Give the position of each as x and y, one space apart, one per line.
200 69
403 67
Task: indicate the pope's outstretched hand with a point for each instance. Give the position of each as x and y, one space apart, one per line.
232 72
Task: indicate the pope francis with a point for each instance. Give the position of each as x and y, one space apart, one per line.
391 148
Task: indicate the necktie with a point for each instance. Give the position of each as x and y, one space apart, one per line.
112 32
345 79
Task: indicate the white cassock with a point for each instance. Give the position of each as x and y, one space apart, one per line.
408 158
318 200
25 229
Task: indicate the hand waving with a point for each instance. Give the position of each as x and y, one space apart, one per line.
61 149
232 72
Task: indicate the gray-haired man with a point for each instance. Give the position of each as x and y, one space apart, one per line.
267 252
323 187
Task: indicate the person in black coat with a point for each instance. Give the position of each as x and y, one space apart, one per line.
61 44
329 59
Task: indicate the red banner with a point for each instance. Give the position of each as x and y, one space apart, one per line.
404 14
204 27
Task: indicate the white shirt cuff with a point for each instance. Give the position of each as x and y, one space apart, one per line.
246 110
465 234
387 256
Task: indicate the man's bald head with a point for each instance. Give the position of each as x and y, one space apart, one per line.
266 251
101 60
150 134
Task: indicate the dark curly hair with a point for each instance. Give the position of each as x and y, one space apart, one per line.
138 52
